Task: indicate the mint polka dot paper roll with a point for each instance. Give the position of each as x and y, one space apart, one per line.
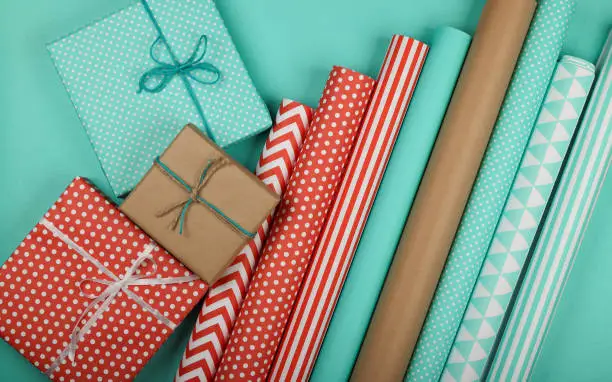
102 64
509 140
522 215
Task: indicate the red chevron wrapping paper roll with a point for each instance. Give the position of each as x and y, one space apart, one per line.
340 236
211 332
297 224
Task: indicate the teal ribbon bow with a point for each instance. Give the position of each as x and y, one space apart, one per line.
155 80
211 167
193 69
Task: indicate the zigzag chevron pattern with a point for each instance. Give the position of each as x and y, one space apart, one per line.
211 332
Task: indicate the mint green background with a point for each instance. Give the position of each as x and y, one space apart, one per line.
288 48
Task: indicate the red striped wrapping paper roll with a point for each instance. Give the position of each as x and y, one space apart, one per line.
297 224
211 332
336 247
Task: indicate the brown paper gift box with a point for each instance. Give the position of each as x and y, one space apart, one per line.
206 224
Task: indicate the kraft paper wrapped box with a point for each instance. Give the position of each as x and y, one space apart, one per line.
199 204
87 295
138 76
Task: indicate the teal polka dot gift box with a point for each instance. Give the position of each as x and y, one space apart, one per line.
138 76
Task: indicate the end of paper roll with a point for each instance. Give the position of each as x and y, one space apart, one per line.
582 64
454 32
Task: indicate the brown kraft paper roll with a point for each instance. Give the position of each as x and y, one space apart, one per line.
444 191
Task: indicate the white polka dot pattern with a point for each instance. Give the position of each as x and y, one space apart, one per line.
499 167
296 227
40 299
101 65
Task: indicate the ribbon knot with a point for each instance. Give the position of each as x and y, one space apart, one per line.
114 285
101 301
195 68
131 277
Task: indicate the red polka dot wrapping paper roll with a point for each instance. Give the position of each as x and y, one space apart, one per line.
333 254
222 304
75 258
296 227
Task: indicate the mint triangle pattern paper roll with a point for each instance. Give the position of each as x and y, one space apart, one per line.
511 134
393 201
516 230
561 234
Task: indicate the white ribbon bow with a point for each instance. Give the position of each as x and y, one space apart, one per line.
108 295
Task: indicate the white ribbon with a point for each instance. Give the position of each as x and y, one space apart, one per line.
113 288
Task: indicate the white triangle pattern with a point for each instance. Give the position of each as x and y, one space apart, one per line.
576 90
530 160
464 335
562 73
497 247
568 112
527 221
481 291
554 95
477 353
521 182
502 288
544 178
535 199
514 204
511 265
456 357
538 138
485 331
552 156
505 226
560 134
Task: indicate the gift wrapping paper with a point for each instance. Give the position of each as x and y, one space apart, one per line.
498 170
333 254
87 295
448 47
296 227
222 304
436 212
561 235
520 219
103 64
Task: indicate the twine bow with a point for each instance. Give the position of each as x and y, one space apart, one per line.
193 195
194 68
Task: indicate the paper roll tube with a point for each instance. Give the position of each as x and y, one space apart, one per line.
333 253
501 162
296 227
448 47
211 332
561 235
444 191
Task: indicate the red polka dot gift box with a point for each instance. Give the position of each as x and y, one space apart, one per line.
87 295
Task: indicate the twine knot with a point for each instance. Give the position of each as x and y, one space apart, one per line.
193 195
